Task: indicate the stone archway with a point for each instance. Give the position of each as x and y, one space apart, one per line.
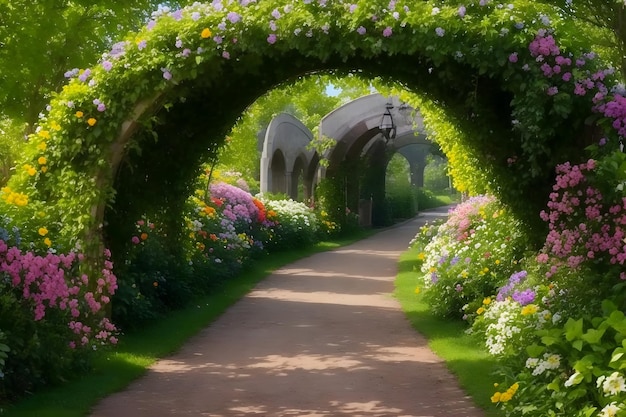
355 129
288 137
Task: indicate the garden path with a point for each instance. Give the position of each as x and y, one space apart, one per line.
322 336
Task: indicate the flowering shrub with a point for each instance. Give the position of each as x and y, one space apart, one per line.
575 369
585 249
471 254
51 315
297 224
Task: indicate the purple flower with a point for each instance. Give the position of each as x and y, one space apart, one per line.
434 278
602 141
233 17
117 49
225 55
218 39
179 43
391 5
513 58
222 26
135 240
186 52
70 104
462 11
166 74
275 14
524 297
178 14
107 65
440 32
85 75
273 26
142 44
71 73
195 16
96 101
151 24
101 107
552 90
387 32
271 39
361 30
352 8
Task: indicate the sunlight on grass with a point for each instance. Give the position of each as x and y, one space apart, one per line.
462 353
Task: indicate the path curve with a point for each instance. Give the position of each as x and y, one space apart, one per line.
320 337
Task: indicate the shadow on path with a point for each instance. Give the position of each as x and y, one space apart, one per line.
320 337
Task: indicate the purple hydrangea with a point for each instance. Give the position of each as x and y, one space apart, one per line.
524 297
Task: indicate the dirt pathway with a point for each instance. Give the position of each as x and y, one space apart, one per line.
320 337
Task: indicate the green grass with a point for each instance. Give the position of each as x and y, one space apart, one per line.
463 354
114 370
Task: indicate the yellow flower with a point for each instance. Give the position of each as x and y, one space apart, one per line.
91 121
505 397
497 261
43 231
421 256
42 160
48 242
30 169
495 398
44 169
417 290
529 309
480 310
464 274
42 146
79 114
44 134
487 301
55 126
206 32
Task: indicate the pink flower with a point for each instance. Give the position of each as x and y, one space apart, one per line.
387 32
271 39
513 58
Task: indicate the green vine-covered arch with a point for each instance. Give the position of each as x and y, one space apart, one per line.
129 134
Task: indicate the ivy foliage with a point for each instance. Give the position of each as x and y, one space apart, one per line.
131 132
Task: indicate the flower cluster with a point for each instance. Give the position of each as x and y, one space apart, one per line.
46 282
585 228
472 252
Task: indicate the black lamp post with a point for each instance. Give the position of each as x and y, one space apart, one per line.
387 127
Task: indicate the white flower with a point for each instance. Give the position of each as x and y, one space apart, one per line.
609 410
614 384
435 11
572 380
532 362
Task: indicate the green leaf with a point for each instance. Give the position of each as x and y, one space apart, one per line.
593 336
573 329
535 350
578 345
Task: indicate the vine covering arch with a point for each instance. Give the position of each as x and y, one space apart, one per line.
163 98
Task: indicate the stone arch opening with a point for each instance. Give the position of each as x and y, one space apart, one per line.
278 172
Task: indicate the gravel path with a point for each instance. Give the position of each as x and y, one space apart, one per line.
322 336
